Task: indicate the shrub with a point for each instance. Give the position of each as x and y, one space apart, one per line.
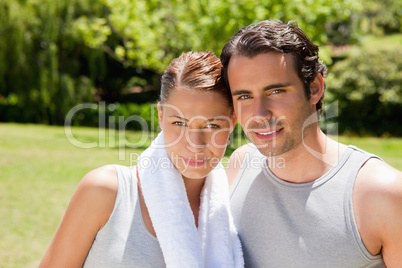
367 86
130 116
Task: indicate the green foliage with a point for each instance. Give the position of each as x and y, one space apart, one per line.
152 32
367 86
41 59
130 116
381 17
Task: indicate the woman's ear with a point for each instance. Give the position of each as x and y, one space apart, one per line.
316 89
160 115
234 120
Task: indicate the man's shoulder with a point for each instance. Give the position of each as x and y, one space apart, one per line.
380 177
243 153
376 176
236 159
243 150
378 208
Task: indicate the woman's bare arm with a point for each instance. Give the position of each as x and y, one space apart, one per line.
88 211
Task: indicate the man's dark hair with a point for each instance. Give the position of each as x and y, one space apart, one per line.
277 36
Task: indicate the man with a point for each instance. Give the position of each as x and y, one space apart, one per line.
300 199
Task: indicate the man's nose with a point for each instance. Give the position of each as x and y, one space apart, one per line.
262 111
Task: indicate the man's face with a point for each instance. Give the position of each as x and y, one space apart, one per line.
269 101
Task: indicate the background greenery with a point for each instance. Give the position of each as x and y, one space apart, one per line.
40 169
55 54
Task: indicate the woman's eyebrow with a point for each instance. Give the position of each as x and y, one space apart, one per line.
179 117
218 118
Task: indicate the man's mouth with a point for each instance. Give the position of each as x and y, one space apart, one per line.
267 134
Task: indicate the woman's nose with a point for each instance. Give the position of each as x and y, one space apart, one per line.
195 140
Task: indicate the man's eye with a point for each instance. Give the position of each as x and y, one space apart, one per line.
277 91
178 123
243 97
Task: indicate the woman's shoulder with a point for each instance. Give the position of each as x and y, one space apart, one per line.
98 191
92 203
106 180
102 178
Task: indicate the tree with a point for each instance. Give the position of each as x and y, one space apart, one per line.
381 17
55 54
42 72
367 86
152 33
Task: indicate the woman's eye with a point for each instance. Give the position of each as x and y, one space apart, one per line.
178 123
212 126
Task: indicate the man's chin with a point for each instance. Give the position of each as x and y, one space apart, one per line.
268 150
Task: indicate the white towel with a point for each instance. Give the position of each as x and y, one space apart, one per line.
215 243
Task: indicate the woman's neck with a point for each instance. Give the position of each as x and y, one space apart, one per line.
193 189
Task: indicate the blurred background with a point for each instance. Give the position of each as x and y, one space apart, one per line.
57 54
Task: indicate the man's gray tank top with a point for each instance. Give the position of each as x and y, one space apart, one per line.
283 224
124 241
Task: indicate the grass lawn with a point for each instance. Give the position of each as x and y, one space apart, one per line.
40 168
392 41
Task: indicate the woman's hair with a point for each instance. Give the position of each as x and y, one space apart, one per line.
194 71
277 36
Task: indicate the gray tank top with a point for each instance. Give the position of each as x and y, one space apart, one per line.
283 224
124 241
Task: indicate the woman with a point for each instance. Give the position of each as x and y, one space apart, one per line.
172 208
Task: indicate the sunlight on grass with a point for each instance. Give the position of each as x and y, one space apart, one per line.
40 168
389 149
392 41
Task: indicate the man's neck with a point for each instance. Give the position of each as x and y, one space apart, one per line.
308 161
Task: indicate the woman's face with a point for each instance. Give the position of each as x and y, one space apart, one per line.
196 126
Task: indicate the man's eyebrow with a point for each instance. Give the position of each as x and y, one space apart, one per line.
279 85
245 91
240 92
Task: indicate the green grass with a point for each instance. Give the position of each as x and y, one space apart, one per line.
372 42
40 168
389 149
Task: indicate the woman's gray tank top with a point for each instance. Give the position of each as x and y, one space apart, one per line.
283 224
124 241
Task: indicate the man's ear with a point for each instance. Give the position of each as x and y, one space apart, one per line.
160 115
316 89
